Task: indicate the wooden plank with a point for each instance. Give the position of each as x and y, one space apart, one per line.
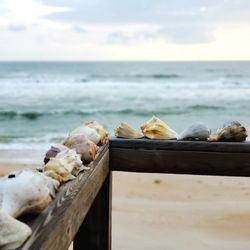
180 145
95 231
57 225
180 162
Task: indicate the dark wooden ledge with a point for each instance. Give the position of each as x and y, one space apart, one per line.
241 147
180 157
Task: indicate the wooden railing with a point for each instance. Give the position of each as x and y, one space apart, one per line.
81 211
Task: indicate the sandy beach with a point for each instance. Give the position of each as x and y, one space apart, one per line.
156 212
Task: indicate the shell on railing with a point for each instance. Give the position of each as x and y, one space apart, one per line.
83 146
100 130
93 131
123 130
197 132
13 233
65 166
53 151
232 132
155 128
88 132
26 191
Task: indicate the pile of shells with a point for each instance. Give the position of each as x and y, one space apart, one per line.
28 191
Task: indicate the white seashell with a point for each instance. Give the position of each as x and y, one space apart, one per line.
90 133
13 233
123 130
65 166
100 130
196 131
83 146
155 128
232 132
26 191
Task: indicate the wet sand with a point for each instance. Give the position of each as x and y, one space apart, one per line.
156 212
17 159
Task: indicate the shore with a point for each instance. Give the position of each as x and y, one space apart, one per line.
18 159
154 211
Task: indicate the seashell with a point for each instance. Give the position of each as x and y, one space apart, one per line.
123 130
100 130
154 128
13 233
83 146
65 166
232 132
90 133
53 151
26 191
198 132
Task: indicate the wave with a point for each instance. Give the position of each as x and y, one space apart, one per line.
231 75
33 115
157 76
134 76
140 112
23 141
206 107
26 115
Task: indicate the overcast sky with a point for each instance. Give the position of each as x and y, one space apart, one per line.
124 30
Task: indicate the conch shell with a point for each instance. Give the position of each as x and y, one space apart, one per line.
100 130
53 151
13 233
233 132
123 130
65 166
26 191
155 128
197 132
90 133
93 131
83 146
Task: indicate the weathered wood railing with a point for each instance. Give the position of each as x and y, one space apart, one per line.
180 157
81 211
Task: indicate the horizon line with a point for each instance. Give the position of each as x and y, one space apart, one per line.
110 61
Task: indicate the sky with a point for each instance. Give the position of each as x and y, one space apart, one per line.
144 30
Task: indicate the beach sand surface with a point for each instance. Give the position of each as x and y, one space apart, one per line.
158 212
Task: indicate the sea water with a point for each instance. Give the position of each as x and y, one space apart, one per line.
40 102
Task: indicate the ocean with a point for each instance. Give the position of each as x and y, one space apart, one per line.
40 102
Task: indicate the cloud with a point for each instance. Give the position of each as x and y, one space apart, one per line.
179 21
160 11
117 38
79 28
130 11
177 34
16 13
185 34
16 27
146 29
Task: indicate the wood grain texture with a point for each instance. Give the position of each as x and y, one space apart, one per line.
180 145
57 225
95 231
177 159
